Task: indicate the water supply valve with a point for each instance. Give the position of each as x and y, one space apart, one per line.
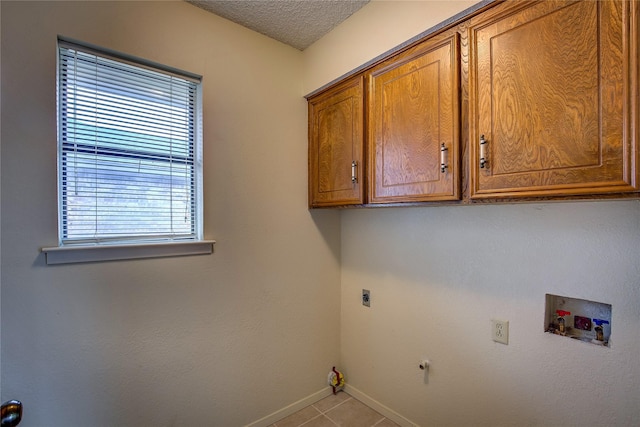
599 328
561 314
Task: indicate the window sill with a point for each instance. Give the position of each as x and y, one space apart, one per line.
96 253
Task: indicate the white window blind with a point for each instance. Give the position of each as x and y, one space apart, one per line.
129 162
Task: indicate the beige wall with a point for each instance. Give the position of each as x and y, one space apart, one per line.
439 275
218 340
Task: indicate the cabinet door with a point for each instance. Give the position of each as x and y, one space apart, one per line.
414 125
550 98
336 146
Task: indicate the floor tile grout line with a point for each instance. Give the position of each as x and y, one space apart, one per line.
345 401
333 407
324 415
321 415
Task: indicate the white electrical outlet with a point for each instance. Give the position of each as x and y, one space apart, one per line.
366 298
500 331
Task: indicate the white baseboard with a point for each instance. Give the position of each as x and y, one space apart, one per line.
379 407
291 409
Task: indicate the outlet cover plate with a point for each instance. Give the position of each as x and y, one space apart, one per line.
366 298
500 331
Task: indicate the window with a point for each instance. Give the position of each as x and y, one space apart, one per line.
129 149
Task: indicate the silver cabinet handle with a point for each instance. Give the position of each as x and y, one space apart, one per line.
483 152
354 171
444 158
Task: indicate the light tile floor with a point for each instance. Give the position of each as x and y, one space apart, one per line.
336 410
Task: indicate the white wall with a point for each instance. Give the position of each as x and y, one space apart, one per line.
438 276
209 340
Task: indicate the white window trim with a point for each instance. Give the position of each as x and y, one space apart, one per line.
95 253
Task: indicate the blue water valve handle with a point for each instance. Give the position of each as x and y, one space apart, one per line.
600 322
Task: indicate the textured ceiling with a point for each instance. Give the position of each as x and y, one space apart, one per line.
297 23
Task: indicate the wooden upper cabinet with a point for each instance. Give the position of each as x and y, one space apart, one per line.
413 123
523 99
336 143
551 94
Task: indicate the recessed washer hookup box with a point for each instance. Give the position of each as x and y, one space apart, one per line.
580 319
